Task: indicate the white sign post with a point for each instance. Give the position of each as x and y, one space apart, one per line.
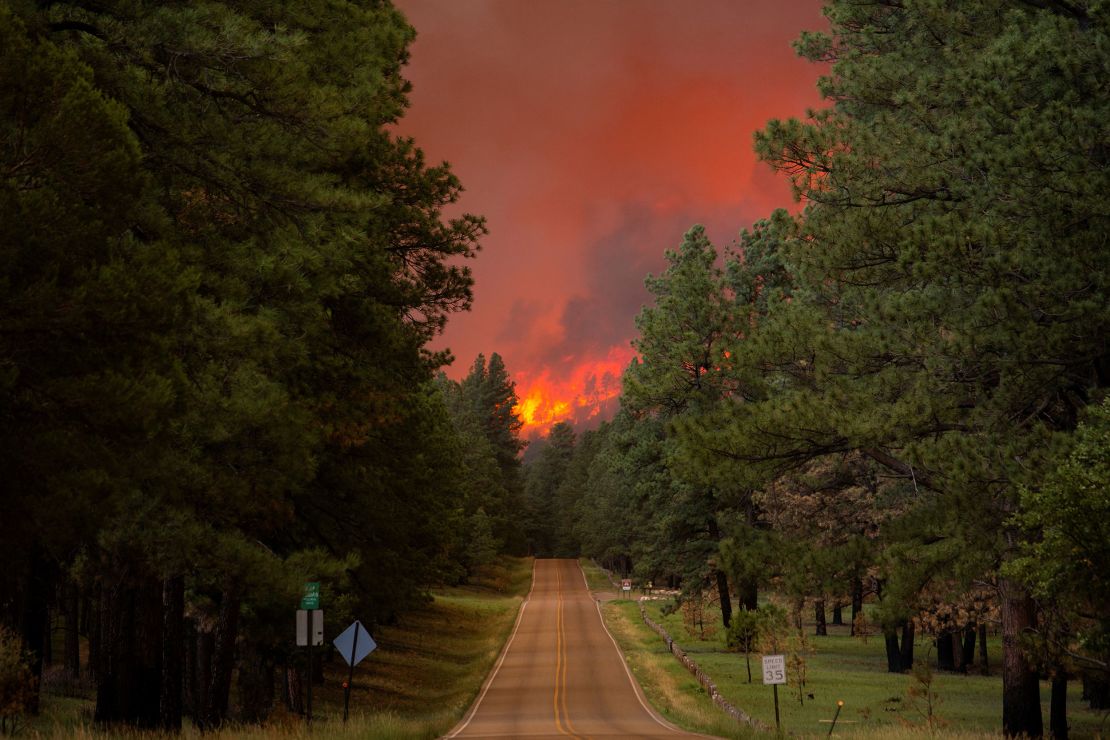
310 621
774 673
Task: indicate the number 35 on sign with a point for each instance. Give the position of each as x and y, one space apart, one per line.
774 669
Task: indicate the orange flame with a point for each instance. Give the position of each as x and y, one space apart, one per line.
582 396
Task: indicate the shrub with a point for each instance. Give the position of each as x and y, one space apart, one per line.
17 683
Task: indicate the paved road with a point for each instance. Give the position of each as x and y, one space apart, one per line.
561 674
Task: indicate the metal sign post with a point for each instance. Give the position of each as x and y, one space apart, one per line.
774 673
353 646
310 602
310 632
308 673
350 675
839 706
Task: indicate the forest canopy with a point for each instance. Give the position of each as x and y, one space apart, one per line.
899 391
221 271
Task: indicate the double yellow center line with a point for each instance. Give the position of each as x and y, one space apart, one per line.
562 717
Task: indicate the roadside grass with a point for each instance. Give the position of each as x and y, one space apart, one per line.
667 685
595 576
876 703
420 681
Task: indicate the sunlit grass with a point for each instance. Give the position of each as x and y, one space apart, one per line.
424 675
876 702
667 685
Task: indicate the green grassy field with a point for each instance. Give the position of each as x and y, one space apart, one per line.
596 577
853 670
418 683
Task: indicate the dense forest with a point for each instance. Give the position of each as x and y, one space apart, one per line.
221 271
899 392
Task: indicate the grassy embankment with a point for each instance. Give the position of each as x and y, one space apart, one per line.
853 670
669 688
418 683
877 703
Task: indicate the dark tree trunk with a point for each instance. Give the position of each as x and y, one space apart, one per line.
294 701
967 652
86 611
48 637
857 600
1096 690
189 699
722 579
36 613
726 598
72 657
256 684
893 653
907 645
1058 712
838 614
748 593
1021 700
318 666
819 616
984 662
748 588
946 659
129 676
173 660
223 658
93 620
202 676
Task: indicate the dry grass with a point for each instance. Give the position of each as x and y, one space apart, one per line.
671 690
425 674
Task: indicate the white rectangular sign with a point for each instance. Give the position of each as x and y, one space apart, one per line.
626 584
774 669
317 627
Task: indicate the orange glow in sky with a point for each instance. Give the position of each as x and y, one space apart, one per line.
592 136
584 395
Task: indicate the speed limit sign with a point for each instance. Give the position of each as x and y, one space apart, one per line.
774 669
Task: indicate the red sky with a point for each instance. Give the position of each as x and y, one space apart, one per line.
592 134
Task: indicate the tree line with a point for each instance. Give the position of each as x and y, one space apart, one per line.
898 393
221 269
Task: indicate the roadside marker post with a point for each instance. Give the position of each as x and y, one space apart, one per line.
774 673
354 644
310 602
839 704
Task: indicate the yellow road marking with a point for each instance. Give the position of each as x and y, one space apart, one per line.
562 716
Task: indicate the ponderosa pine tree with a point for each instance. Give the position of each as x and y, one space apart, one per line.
542 478
951 310
682 340
89 316
1066 554
486 397
613 521
260 265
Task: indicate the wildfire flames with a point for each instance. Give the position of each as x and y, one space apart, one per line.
587 394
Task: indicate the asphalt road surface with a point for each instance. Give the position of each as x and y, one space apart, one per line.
561 674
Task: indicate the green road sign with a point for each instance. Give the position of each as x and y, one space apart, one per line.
311 598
